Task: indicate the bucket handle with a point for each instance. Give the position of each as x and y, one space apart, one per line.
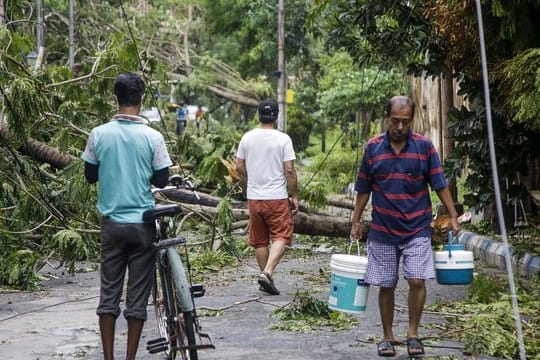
451 239
357 242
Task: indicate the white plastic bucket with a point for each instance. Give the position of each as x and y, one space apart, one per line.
348 291
454 266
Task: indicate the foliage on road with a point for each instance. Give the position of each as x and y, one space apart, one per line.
485 322
306 313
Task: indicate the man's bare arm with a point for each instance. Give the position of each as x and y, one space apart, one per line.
241 168
290 174
360 205
292 184
446 199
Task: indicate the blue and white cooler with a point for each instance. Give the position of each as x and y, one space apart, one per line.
454 265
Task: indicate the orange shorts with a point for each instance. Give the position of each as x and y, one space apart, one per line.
270 220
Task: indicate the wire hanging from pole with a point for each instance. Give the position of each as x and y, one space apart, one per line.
498 201
148 82
366 90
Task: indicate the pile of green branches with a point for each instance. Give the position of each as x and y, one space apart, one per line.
308 314
485 322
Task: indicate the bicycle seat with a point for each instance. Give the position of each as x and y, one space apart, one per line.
161 210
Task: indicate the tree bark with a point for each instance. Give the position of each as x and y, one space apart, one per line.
44 153
304 223
188 197
41 152
233 96
344 201
321 225
2 14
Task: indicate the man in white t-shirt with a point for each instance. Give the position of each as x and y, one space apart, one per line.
265 157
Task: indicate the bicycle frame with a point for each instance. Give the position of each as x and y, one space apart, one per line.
173 294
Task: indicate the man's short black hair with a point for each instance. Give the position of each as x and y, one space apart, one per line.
268 111
129 89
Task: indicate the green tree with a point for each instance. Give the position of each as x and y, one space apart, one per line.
346 90
440 38
299 126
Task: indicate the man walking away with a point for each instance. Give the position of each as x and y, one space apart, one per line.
265 157
126 156
181 122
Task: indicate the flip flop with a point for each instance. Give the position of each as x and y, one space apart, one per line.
414 347
386 348
267 283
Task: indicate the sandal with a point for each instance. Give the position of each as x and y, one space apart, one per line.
386 348
414 347
267 283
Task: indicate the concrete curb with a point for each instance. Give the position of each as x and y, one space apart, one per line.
492 253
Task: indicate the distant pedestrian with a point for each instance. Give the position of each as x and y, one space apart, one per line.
199 117
396 169
181 119
126 156
266 157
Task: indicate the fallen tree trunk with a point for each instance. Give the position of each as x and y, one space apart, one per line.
41 151
233 96
189 197
321 225
341 200
304 223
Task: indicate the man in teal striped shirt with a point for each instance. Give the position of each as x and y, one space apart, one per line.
125 156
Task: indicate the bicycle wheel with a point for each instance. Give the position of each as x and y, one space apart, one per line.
162 343
181 308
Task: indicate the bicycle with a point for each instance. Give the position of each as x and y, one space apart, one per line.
173 295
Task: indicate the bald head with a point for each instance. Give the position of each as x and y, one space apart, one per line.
400 101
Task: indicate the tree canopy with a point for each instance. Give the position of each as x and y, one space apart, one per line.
441 38
343 60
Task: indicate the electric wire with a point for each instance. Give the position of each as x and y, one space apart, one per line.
371 84
152 93
498 201
148 81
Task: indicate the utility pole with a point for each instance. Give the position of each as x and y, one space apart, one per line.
71 35
40 33
187 28
282 76
2 14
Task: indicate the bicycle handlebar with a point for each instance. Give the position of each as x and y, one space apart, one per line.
177 182
162 244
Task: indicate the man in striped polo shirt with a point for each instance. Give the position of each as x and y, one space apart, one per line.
396 169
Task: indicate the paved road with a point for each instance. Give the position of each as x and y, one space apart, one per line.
59 322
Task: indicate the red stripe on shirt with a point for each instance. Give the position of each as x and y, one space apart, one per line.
399 176
401 196
384 156
401 215
408 155
394 231
438 170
